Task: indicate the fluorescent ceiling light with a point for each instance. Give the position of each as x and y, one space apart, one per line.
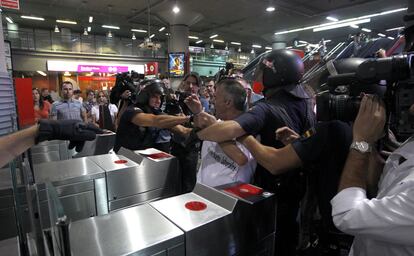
151 36
340 25
90 19
289 47
256 46
193 37
139 30
354 26
110 27
381 35
9 20
67 22
331 18
41 72
301 45
235 43
213 36
199 41
390 37
176 9
366 30
167 34
161 29
89 29
341 21
392 29
270 9
303 42
268 48
32 17
218 41
327 41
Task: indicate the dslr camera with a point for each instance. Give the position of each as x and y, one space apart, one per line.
341 101
175 104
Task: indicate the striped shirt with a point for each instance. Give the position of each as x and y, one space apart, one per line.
67 109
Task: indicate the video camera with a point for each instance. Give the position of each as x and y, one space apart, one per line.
126 81
342 100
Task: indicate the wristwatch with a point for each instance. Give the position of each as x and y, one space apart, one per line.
361 146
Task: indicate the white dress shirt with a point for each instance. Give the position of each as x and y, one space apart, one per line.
383 225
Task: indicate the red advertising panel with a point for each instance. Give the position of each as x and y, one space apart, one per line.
11 4
151 68
24 99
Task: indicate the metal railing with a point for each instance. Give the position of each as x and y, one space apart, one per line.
49 41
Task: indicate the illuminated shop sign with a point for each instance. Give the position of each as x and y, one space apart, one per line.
102 69
97 67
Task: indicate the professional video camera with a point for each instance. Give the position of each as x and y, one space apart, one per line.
342 99
126 81
223 73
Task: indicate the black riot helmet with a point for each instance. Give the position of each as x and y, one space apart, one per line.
149 89
279 68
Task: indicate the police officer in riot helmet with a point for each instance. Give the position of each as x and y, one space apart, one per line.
143 125
286 104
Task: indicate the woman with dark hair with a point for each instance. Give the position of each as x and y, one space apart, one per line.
103 114
41 107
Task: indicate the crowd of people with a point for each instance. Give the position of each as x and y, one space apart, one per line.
221 132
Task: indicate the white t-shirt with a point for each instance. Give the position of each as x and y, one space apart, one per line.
112 110
218 169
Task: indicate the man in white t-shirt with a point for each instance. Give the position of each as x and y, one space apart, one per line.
226 162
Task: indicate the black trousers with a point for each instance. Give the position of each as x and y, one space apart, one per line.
187 161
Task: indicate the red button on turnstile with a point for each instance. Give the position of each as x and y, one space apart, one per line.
121 161
244 190
195 206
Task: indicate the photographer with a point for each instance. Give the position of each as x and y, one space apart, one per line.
143 125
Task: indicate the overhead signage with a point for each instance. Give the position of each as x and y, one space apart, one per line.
96 67
10 4
102 69
195 49
151 68
176 64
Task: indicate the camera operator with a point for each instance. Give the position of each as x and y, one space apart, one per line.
144 125
383 225
286 104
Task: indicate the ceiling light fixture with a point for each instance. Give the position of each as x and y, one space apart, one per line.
41 73
391 38
161 29
89 29
214 36
212 46
270 9
341 21
57 29
354 26
301 45
32 17
331 18
366 30
327 41
176 9
302 42
133 36
235 43
167 34
289 47
90 19
392 29
199 41
252 51
341 25
268 48
151 36
109 34
110 27
218 40
9 20
239 50
257 46
193 37
381 35
227 47
66 73
85 32
139 30
67 22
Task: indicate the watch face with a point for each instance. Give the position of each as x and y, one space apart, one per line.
363 146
